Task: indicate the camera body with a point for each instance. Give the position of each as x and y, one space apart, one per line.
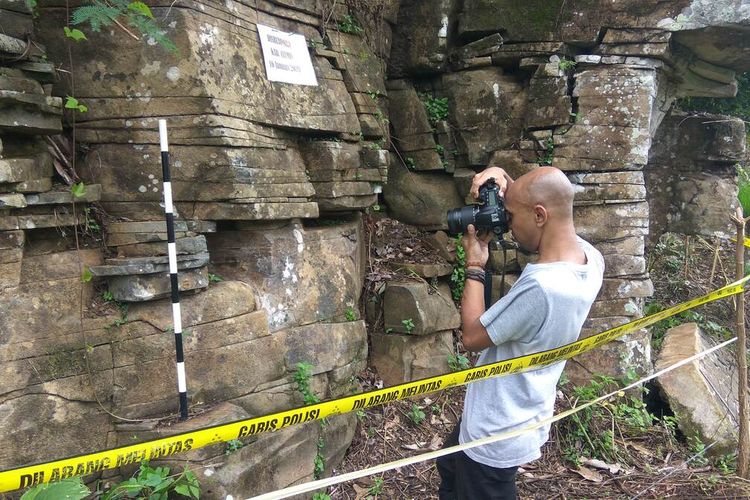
489 215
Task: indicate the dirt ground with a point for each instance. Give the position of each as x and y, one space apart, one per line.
654 463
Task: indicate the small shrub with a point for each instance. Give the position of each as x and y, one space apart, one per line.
416 415
349 24
458 362
408 325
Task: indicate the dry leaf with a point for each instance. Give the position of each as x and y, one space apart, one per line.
436 443
589 474
600 464
416 446
359 491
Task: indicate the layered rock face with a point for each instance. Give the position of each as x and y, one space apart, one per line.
269 180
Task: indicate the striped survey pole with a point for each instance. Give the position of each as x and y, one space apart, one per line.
172 251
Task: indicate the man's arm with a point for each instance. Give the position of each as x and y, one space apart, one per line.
473 334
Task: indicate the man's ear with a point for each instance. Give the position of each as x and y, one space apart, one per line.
540 215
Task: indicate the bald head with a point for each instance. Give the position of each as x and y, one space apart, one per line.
546 186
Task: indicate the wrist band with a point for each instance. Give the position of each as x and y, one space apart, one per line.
475 278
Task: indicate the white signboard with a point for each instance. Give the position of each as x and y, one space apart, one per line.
286 57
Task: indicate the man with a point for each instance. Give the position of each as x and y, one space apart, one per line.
543 310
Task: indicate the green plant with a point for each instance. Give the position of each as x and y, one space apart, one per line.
233 445
122 13
408 325
548 155
590 431
743 182
108 296
76 35
435 408
410 163
436 107
376 488
416 415
214 278
91 224
566 64
70 489
319 465
698 449
458 362
349 24
86 275
440 149
72 103
727 464
319 495
351 314
155 484
360 414
458 276
302 376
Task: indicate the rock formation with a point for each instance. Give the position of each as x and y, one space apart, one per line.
270 180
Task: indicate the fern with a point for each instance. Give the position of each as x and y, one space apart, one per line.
103 13
96 15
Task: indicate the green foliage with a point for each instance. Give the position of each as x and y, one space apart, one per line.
214 278
548 155
155 484
91 224
233 445
458 362
302 376
69 489
736 106
727 464
123 308
376 488
440 149
319 495
566 64
410 163
75 34
100 14
416 415
743 182
86 276
78 190
72 103
408 324
349 24
108 296
698 449
458 276
351 314
436 107
590 431
319 465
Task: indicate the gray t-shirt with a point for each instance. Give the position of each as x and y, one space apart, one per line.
543 310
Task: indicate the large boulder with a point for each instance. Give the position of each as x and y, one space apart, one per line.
702 394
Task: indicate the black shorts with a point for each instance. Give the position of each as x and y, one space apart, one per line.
464 479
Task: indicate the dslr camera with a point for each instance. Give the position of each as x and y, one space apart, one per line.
489 215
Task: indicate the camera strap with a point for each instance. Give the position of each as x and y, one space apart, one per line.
487 289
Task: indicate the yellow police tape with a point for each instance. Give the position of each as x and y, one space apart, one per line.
23 477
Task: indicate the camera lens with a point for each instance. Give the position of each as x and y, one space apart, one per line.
460 218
